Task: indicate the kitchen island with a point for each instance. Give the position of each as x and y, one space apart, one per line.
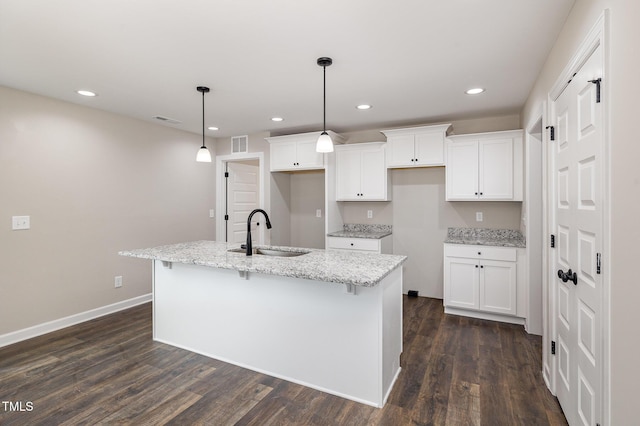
327 319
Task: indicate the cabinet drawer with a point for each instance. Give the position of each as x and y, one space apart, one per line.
364 244
508 254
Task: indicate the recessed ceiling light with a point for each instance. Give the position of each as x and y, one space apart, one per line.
277 119
474 91
364 106
212 128
86 93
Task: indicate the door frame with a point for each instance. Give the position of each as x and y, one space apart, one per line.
535 219
597 37
221 188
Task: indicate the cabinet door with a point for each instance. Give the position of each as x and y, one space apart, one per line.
498 287
307 157
348 171
496 169
429 149
373 177
401 151
461 283
462 171
283 156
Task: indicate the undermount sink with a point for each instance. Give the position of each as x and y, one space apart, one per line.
271 252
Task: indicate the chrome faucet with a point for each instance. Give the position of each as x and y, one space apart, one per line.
248 245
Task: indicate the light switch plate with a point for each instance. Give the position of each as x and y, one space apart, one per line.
20 222
369 214
479 217
318 213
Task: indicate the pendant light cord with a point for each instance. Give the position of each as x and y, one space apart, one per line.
203 119
324 98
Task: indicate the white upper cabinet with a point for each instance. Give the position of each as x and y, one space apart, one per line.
485 167
361 174
298 152
416 146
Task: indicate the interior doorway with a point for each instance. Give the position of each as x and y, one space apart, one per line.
240 189
242 196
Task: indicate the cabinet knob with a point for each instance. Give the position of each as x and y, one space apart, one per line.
476 266
476 193
479 253
416 160
351 244
481 193
482 266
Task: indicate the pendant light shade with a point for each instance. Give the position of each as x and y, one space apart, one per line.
203 156
324 144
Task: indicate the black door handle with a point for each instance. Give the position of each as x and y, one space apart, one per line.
568 276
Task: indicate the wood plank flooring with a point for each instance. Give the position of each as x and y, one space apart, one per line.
455 371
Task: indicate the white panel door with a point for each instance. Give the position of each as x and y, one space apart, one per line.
577 188
242 198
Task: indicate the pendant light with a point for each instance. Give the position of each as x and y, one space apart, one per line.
324 144
204 156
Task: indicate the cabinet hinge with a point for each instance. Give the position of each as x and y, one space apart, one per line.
226 174
597 83
552 133
553 241
553 347
226 217
598 263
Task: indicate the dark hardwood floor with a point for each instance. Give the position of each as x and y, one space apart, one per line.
455 371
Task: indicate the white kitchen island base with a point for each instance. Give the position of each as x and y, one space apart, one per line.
314 333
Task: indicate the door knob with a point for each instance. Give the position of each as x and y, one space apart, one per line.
568 276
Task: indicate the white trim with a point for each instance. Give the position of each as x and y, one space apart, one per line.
220 188
50 326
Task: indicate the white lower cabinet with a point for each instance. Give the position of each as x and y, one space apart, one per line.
482 281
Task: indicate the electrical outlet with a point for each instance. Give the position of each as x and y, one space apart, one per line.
369 214
318 213
479 217
211 213
118 281
20 222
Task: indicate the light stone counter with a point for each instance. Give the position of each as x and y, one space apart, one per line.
357 230
356 268
486 237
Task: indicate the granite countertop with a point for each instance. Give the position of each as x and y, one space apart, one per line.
358 230
345 267
486 237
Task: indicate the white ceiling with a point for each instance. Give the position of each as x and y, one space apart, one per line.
411 59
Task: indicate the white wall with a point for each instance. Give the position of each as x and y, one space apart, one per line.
624 188
93 183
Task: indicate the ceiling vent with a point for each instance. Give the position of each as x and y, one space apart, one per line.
166 119
239 144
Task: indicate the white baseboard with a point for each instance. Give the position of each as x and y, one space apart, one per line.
48 327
